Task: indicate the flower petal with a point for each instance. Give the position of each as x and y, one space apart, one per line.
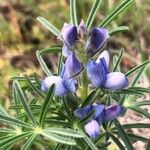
92 128
59 88
82 29
73 66
97 72
69 34
65 51
112 112
99 112
98 39
105 55
116 81
83 112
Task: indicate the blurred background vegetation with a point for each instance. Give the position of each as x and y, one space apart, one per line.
21 35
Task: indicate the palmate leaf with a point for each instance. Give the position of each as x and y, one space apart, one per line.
116 11
92 13
59 138
49 26
29 142
123 135
46 105
118 30
24 102
64 132
73 13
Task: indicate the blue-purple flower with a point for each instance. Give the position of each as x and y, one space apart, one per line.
101 77
97 40
73 66
69 36
102 114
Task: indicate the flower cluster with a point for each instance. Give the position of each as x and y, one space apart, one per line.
77 40
102 114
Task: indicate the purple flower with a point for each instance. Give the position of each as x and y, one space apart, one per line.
69 36
92 129
101 77
73 66
97 40
112 112
102 114
63 83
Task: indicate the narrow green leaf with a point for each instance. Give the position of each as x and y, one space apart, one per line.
90 143
118 30
130 92
148 145
91 98
123 135
73 12
137 137
116 11
137 77
3 111
13 121
60 63
64 132
34 87
119 59
59 138
116 140
69 113
145 102
43 64
50 50
58 122
29 142
140 111
12 140
144 64
136 125
6 130
92 13
24 102
49 26
46 105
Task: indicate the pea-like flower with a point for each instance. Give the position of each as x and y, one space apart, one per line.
73 66
97 40
101 77
69 36
64 83
102 114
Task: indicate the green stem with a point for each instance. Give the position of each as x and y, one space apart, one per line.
84 90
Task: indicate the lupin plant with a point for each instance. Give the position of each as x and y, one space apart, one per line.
79 106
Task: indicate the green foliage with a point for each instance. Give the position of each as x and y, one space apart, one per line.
50 119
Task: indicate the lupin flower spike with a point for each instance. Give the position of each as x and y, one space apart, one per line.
100 76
